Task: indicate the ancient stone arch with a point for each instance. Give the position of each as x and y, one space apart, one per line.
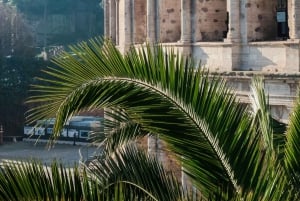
210 20
140 21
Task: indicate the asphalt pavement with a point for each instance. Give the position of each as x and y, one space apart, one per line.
67 154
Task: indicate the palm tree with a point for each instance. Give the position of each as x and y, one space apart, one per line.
229 151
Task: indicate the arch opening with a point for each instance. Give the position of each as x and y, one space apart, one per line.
267 20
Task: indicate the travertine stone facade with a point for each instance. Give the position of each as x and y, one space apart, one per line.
210 22
169 21
112 22
186 17
280 87
151 19
106 16
248 35
234 18
294 18
261 24
140 22
125 24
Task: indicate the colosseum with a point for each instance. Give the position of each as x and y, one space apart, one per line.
236 39
225 35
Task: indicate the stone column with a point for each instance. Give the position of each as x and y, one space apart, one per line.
112 20
233 9
186 19
294 19
125 24
117 16
292 50
151 21
106 18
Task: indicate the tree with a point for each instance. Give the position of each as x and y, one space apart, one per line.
17 66
62 22
229 151
16 37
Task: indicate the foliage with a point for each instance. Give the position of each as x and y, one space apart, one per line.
111 178
21 37
230 152
62 22
15 35
17 66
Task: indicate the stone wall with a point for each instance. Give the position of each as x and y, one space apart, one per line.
140 7
169 21
272 56
213 56
281 89
261 16
210 20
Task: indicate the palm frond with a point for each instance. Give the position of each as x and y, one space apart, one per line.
30 180
261 110
195 114
142 175
272 131
292 147
120 130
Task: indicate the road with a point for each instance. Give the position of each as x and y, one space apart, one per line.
68 154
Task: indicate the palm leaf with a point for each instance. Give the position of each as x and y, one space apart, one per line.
262 115
141 175
33 181
272 131
120 130
197 115
292 147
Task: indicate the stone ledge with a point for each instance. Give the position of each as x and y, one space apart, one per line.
274 99
274 43
249 74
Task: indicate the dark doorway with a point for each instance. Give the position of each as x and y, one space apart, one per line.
282 19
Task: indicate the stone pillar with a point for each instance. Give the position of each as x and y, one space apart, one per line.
292 64
186 19
294 19
151 21
233 9
117 16
125 24
106 18
112 20
186 28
